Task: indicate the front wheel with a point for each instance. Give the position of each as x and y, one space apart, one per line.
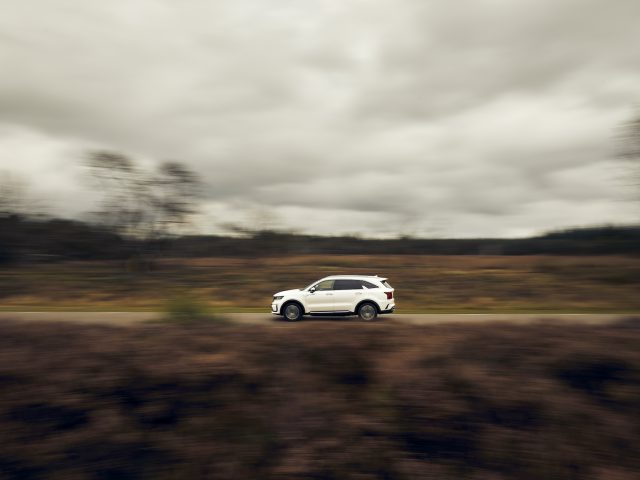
367 312
292 312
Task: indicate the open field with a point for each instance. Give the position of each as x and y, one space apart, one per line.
320 400
423 283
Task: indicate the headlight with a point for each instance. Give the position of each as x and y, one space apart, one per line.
278 297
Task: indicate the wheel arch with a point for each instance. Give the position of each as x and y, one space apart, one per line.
297 302
367 300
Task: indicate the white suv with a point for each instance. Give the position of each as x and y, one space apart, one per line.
337 295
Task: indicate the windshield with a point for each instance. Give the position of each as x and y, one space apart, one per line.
309 286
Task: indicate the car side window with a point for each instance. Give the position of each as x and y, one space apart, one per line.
365 284
325 285
340 285
347 285
355 285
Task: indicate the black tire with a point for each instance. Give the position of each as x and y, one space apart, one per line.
292 311
367 311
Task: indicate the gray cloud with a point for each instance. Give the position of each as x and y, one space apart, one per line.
376 117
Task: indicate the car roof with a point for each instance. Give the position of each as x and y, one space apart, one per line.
359 277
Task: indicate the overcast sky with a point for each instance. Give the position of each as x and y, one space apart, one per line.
378 117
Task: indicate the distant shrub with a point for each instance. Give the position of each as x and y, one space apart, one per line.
185 309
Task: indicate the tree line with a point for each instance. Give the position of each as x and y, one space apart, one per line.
45 240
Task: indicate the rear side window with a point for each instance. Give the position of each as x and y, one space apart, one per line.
386 284
347 285
365 284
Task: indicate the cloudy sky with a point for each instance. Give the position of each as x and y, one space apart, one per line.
378 117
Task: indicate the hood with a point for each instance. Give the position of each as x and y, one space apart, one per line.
286 292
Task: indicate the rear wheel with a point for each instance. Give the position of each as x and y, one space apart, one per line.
367 312
292 312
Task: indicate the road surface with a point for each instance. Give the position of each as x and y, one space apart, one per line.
132 318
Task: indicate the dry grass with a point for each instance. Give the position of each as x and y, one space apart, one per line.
435 283
320 400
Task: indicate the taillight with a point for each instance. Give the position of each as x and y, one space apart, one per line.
389 295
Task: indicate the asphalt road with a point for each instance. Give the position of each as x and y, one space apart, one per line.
132 318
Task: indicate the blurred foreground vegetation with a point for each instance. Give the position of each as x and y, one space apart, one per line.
320 400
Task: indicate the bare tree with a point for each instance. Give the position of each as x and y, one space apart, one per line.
629 150
141 204
175 193
123 187
629 145
631 139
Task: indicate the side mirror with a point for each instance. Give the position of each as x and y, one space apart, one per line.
312 290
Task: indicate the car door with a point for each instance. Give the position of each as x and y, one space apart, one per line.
322 299
346 294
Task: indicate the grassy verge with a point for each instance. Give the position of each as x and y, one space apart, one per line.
320 400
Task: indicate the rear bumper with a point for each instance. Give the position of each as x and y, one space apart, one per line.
389 307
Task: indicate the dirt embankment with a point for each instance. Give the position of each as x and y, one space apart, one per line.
320 400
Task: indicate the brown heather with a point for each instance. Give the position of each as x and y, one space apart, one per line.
320 400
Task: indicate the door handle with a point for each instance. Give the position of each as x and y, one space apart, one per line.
329 294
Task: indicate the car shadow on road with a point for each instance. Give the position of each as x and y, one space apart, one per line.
328 319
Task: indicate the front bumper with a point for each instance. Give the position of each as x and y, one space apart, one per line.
275 307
